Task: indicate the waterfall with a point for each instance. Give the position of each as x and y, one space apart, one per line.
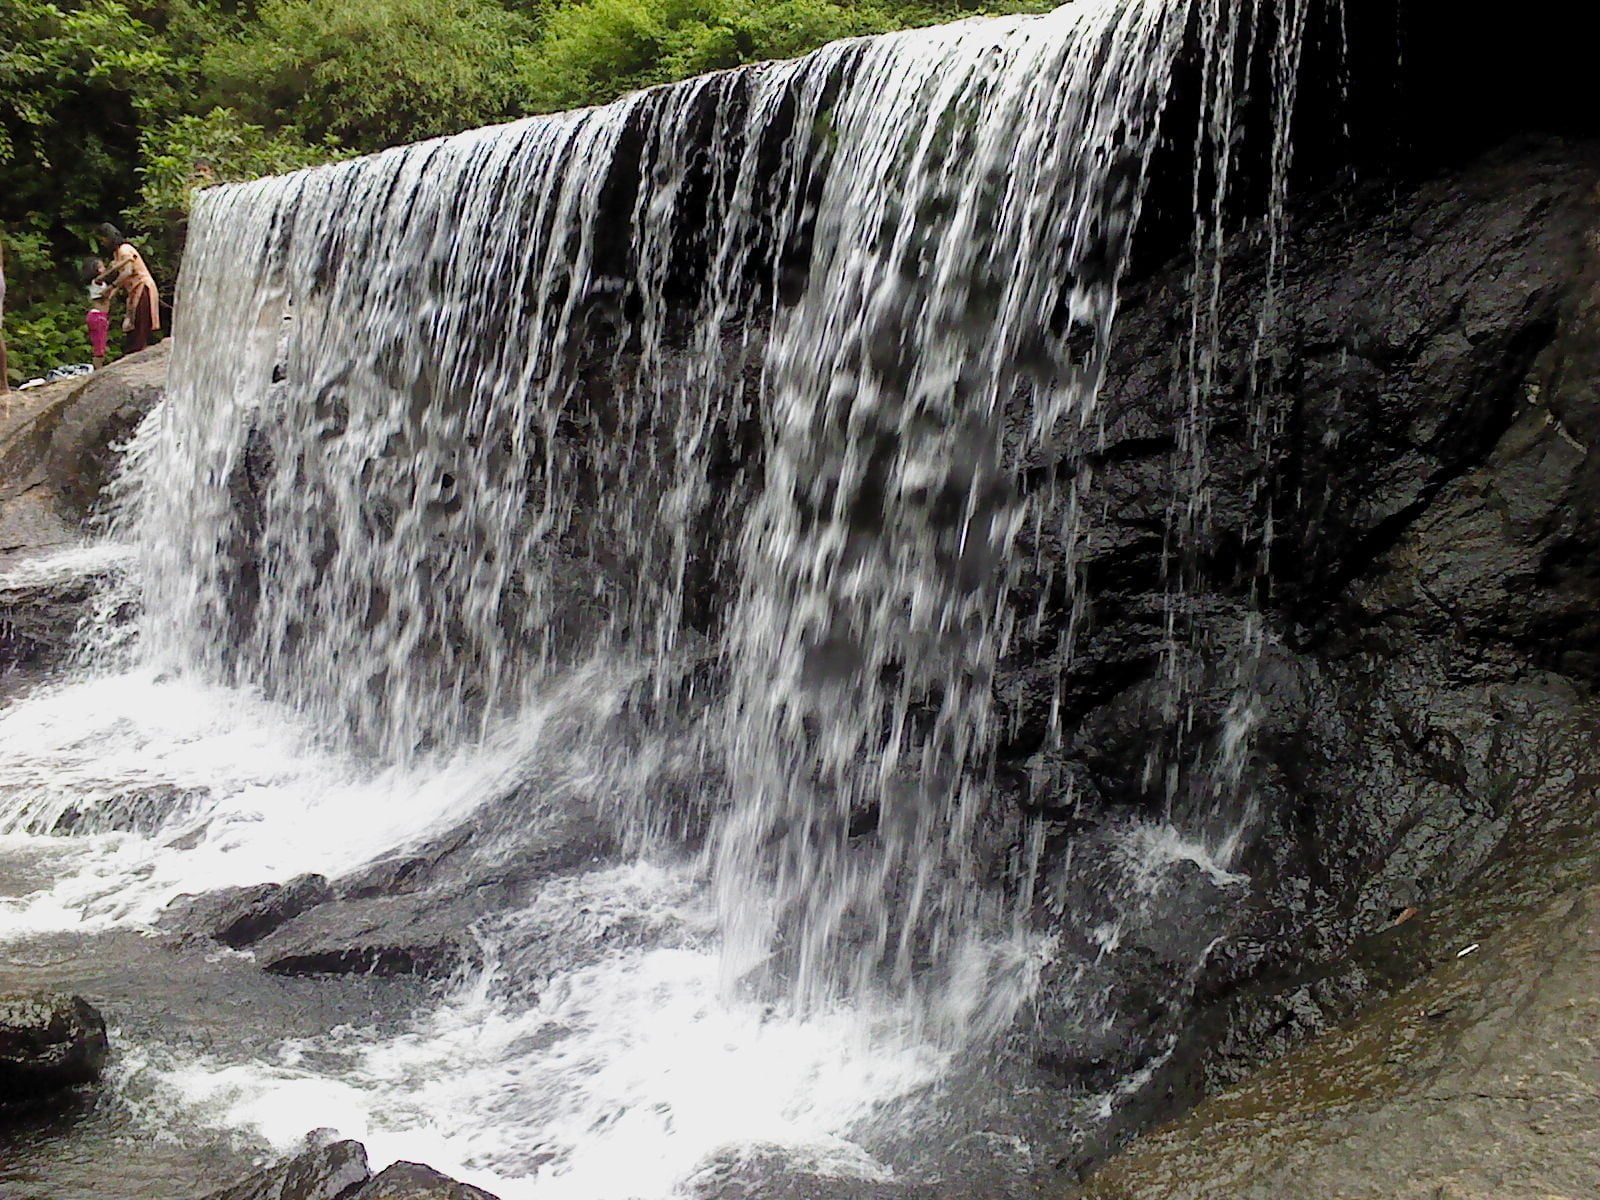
704 414
969 239
449 418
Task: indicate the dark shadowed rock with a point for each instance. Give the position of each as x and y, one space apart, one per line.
1422 703
383 935
412 913
47 1043
142 809
413 1181
239 916
402 874
38 617
332 1172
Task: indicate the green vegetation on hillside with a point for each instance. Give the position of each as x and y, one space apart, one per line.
119 111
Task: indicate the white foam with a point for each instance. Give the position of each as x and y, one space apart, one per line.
616 1081
272 804
594 1055
70 562
1150 849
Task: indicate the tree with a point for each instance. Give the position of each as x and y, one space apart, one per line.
372 73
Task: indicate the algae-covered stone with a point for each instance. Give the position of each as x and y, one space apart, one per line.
1480 1080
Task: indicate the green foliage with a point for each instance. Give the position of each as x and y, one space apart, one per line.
75 84
48 334
592 51
596 50
196 151
117 111
376 72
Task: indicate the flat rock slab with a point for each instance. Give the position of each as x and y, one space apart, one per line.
237 917
47 1043
1481 1080
385 935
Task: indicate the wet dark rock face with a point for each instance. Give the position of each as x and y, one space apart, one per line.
237 917
335 1171
410 914
48 1043
1421 704
339 1171
57 452
414 1181
37 619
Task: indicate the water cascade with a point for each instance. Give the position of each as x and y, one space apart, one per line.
678 440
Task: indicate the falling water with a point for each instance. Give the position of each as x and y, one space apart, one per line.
471 433
703 409
952 321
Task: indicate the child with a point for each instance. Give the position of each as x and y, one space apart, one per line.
98 318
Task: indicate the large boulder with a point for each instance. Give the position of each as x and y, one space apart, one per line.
48 1043
338 1170
411 913
385 935
59 447
238 916
59 456
332 1171
1390 686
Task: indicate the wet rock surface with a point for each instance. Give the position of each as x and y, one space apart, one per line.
48 1042
239 916
1416 696
412 913
335 1171
1480 1080
414 1181
383 935
38 617
339 1171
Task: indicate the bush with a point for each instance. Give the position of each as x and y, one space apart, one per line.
109 108
595 50
193 152
47 334
375 72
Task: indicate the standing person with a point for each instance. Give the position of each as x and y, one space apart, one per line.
98 318
128 273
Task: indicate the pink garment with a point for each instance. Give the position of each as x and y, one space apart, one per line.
99 323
